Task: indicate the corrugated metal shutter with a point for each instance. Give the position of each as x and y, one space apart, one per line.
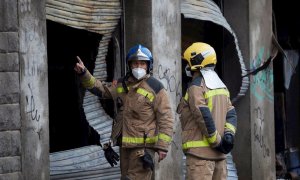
231 169
82 163
102 17
207 10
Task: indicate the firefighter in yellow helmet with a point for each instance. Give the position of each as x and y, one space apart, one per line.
208 118
144 122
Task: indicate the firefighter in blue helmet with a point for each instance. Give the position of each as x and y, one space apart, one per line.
144 123
208 119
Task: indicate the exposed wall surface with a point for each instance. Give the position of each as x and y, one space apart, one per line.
33 90
261 89
242 149
10 119
166 48
138 23
254 151
156 24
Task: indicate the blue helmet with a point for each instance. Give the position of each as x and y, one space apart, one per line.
139 52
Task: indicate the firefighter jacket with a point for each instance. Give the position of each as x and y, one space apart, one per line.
205 115
144 117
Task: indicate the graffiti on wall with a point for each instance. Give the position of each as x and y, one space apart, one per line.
25 5
33 50
33 67
259 132
262 89
32 111
262 82
169 80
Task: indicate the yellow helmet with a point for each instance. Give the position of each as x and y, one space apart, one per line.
200 55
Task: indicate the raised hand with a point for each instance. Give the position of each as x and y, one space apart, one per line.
79 67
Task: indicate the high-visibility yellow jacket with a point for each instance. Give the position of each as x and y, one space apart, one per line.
205 115
144 116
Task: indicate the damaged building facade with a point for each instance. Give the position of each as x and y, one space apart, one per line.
50 127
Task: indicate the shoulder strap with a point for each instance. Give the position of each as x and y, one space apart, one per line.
155 84
124 81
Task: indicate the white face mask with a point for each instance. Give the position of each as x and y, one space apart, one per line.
187 72
138 73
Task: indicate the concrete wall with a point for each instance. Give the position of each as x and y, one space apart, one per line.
254 152
261 89
33 90
156 24
138 23
242 150
166 48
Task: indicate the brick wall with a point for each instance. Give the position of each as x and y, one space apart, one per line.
10 119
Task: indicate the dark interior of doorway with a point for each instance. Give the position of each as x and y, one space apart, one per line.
68 125
286 26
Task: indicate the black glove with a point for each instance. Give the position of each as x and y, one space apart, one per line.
111 156
226 144
147 161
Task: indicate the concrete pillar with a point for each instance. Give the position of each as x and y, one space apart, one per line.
166 48
262 91
242 150
254 151
156 24
33 90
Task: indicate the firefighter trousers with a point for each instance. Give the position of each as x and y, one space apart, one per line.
199 169
132 166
